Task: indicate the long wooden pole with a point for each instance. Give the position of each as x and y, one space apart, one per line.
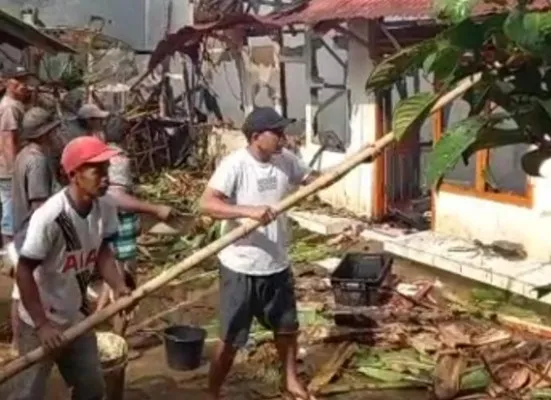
367 153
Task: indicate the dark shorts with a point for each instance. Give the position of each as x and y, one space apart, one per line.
78 363
271 299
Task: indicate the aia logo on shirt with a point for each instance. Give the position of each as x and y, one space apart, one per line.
77 261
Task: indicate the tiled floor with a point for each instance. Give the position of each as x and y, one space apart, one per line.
463 258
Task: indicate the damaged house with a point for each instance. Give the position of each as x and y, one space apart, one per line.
483 210
488 219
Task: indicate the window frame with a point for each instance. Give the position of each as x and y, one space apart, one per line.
480 188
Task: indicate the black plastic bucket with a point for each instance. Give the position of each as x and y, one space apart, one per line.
184 346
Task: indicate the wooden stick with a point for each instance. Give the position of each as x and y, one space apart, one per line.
367 153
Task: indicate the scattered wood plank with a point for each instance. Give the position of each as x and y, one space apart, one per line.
453 335
519 324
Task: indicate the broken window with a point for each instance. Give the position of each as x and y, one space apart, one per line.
327 70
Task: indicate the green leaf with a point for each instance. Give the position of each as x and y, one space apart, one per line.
443 62
529 30
410 112
475 379
448 150
455 10
477 97
467 34
398 65
491 138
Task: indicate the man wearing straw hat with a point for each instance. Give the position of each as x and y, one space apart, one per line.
67 238
34 179
255 278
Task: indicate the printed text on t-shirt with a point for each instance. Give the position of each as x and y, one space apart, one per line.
79 260
266 184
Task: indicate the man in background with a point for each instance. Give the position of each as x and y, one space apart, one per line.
34 180
12 108
122 192
92 120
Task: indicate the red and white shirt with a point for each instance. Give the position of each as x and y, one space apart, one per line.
67 243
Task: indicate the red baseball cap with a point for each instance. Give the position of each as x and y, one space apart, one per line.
85 150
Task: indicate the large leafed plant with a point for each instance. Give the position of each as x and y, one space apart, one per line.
511 48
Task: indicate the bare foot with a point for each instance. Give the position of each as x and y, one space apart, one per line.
295 390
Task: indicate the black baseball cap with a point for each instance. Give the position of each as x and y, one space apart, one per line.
264 119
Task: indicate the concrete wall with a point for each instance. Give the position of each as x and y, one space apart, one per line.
474 218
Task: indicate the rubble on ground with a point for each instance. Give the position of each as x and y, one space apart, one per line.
423 339
420 337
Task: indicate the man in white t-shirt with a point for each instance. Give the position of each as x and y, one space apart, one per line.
255 278
67 238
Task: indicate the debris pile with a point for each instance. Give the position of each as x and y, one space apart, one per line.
421 338
162 245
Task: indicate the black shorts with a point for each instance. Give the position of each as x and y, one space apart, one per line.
270 298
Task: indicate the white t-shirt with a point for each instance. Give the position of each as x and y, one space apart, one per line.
249 182
68 244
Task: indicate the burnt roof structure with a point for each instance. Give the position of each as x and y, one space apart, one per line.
21 35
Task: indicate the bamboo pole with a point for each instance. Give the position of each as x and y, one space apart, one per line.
366 153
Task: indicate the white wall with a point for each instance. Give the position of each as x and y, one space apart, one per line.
473 218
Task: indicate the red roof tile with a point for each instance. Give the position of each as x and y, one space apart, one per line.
188 38
317 11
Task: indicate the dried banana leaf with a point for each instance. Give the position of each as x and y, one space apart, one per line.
447 376
388 376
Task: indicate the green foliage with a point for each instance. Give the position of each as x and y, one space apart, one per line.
395 67
510 48
455 10
450 148
529 30
410 111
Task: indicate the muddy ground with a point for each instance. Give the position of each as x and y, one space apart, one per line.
148 376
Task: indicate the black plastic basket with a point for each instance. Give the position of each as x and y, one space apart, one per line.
358 279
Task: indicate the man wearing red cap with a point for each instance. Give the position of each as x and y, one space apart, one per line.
66 240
